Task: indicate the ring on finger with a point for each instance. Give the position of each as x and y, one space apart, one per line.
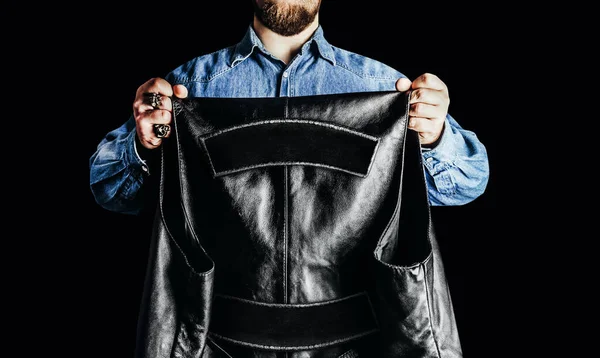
155 99
161 130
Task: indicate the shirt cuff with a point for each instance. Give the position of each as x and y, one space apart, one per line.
443 151
133 156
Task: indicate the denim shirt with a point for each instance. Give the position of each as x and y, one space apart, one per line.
456 169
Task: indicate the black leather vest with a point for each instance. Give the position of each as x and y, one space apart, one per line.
294 227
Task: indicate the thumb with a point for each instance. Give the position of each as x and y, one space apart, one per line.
403 84
180 91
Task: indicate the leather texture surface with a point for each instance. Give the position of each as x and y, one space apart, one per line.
294 201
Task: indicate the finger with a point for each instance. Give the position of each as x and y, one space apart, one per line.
157 117
428 96
156 101
426 110
160 123
156 85
151 102
428 129
150 136
147 137
161 130
428 80
151 142
143 103
421 124
146 120
403 84
180 91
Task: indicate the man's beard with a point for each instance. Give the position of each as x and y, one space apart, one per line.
287 19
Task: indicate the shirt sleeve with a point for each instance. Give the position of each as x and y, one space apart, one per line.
457 168
117 172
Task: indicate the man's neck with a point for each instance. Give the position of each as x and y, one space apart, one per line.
284 47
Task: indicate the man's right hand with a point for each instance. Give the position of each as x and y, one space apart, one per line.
147 115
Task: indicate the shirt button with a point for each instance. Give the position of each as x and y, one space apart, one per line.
429 160
285 74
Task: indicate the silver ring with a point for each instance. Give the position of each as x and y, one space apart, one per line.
155 100
161 130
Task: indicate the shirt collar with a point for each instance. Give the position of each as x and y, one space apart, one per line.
250 41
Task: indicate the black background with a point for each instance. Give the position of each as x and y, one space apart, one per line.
106 52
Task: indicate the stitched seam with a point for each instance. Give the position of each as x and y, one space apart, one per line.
349 354
427 292
209 158
431 258
300 347
207 79
177 107
363 75
226 172
238 60
285 235
222 351
285 221
210 78
373 157
293 120
294 305
290 82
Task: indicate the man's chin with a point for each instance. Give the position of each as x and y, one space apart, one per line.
285 21
287 32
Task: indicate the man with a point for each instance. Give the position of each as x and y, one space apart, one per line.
284 53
